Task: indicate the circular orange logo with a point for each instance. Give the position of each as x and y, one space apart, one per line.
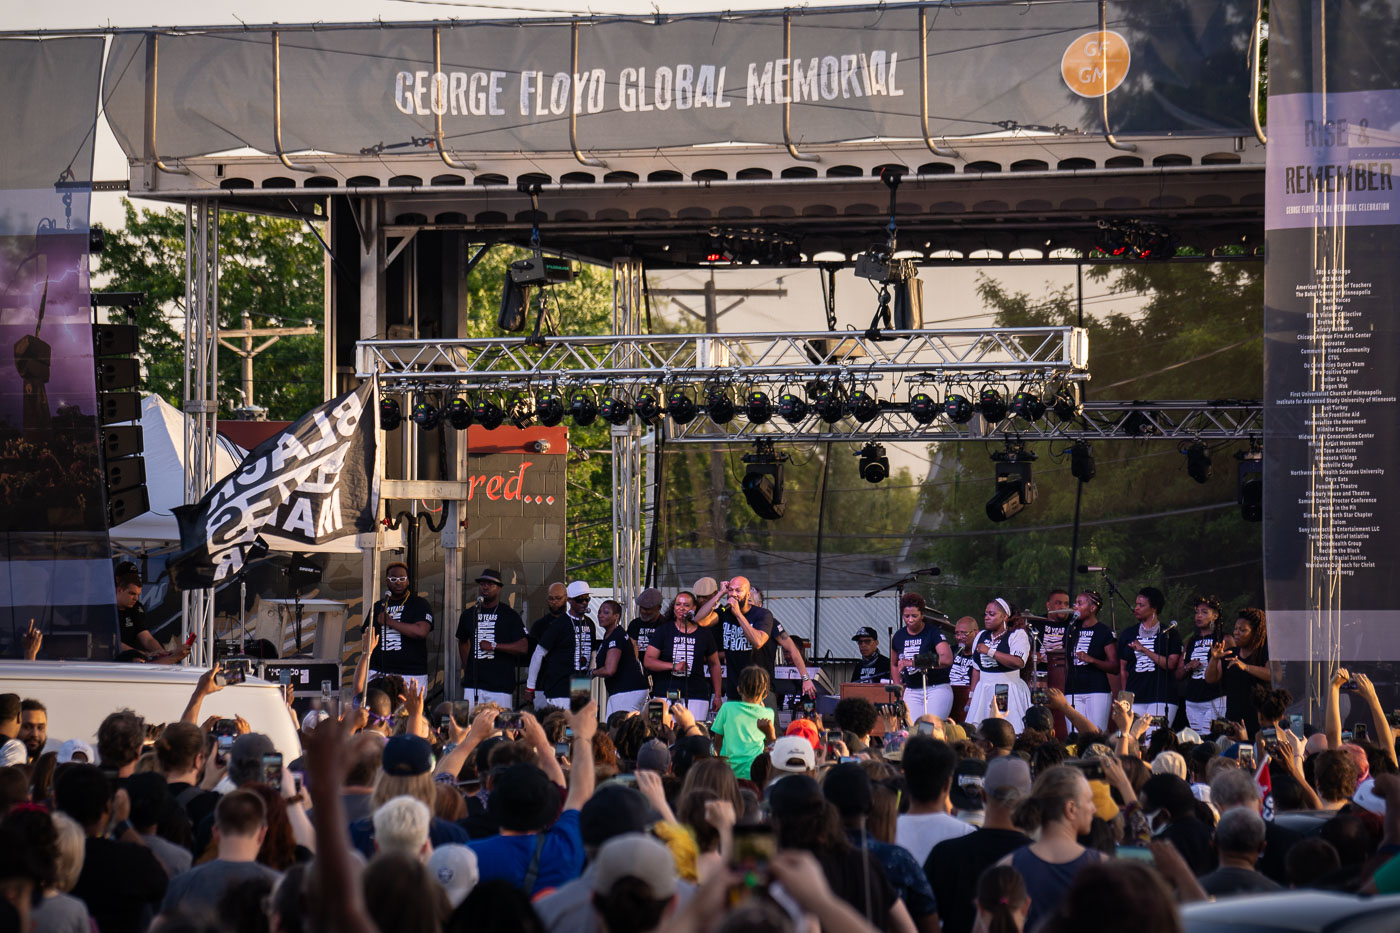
1096 63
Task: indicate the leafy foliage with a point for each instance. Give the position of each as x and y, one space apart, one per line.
270 267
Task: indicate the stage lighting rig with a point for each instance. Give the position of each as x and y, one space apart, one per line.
1135 239
827 403
582 409
1197 461
874 464
758 408
459 414
992 405
1014 487
719 406
550 409
390 415
1081 462
426 414
1250 492
521 409
864 406
792 407
1064 400
680 406
647 406
958 408
487 413
615 410
924 408
763 481
1028 405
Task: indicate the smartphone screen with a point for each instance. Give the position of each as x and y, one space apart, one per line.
655 710
1358 731
1003 696
325 691
272 769
1126 696
924 728
754 848
1040 696
445 724
225 746
673 696
1268 735
580 685
1297 722
285 676
1135 853
1246 758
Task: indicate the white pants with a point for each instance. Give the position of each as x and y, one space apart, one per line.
503 700
1161 708
937 700
420 679
1093 706
633 701
1199 715
558 702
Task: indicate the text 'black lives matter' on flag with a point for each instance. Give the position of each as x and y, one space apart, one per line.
305 486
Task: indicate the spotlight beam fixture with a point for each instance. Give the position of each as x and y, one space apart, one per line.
1014 487
763 481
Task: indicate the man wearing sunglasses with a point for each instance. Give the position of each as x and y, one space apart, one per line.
402 621
565 651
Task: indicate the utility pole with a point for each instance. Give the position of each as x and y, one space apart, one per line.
247 351
710 317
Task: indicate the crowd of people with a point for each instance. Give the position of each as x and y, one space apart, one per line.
990 800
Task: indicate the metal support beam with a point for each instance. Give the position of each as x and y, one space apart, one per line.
201 396
629 478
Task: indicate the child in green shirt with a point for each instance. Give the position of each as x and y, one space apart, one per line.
744 725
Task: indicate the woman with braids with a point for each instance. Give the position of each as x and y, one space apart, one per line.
1204 700
1061 806
1002 901
1241 662
999 652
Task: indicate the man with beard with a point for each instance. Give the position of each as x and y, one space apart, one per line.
565 651
643 628
33 727
490 637
747 635
557 598
402 621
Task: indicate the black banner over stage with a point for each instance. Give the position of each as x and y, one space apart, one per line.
1332 285
309 484
1168 66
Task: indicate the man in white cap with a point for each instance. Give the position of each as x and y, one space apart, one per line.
455 868
792 754
565 651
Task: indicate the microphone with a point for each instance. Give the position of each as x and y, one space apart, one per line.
1168 627
928 572
1089 568
1074 616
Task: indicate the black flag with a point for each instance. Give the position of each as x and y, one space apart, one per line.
307 485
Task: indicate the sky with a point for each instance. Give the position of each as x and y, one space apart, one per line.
950 296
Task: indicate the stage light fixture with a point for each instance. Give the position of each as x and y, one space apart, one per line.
459 414
827 403
923 408
550 409
1250 492
681 407
874 465
864 406
1014 488
488 414
763 481
1028 405
647 406
425 414
1197 462
1081 462
792 407
958 408
1065 401
758 408
615 410
521 409
719 406
992 405
582 409
390 416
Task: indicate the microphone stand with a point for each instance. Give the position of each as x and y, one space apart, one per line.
1112 592
898 586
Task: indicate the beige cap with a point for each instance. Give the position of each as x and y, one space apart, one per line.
705 587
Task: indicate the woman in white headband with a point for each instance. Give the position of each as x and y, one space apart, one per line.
999 652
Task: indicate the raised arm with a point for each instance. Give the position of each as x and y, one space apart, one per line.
202 688
585 725
1384 736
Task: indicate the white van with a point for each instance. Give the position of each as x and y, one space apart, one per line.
80 694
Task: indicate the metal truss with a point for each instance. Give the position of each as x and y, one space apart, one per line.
723 358
1168 420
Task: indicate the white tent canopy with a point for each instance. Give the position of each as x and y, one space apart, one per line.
163 432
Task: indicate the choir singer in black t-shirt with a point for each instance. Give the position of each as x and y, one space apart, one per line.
490 641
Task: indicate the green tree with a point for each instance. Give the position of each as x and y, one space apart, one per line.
269 267
1198 336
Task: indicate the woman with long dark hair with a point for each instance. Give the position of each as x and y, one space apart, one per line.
1241 662
1204 700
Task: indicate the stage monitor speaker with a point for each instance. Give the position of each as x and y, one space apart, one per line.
118 407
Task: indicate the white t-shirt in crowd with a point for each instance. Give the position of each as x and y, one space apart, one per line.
920 832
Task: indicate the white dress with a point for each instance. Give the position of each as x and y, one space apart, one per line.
991 673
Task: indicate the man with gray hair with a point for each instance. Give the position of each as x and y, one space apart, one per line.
1233 789
401 825
1239 841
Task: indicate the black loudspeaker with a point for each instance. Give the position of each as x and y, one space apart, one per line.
114 339
514 300
909 305
121 441
126 504
123 468
116 407
118 373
